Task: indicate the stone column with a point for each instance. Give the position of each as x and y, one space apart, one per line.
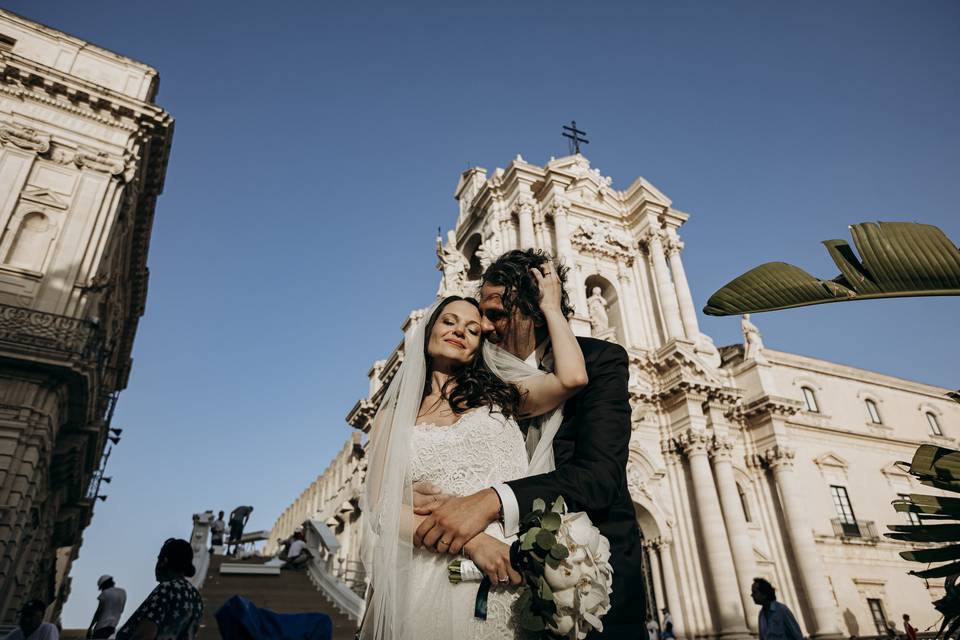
810 567
726 595
525 222
670 584
564 249
733 517
688 312
652 547
666 293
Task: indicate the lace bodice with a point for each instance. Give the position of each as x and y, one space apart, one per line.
481 449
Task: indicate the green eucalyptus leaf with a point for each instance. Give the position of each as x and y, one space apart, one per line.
558 505
539 505
559 552
551 521
546 593
546 540
531 621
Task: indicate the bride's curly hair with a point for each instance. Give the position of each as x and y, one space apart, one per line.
471 385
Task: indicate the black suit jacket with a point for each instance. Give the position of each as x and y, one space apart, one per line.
590 451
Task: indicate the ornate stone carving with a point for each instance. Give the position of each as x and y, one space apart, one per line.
672 245
597 308
721 449
779 456
24 138
694 443
38 330
602 239
453 266
99 161
752 340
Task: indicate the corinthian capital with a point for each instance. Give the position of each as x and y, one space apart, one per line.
694 443
24 137
653 235
721 449
672 245
779 456
524 205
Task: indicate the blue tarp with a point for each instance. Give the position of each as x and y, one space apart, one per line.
240 619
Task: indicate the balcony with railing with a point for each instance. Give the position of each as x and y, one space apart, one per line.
40 334
855 530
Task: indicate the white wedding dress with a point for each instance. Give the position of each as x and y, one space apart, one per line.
478 451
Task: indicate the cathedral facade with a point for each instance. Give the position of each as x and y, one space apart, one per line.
744 461
83 154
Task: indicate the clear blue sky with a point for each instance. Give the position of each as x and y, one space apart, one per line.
316 151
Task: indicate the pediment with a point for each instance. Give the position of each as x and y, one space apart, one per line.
44 197
831 460
761 557
894 470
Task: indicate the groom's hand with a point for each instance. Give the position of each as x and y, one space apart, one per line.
451 524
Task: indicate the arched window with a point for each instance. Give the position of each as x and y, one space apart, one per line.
873 411
810 399
744 502
934 424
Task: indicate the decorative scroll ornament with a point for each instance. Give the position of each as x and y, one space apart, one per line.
24 138
598 238
99 161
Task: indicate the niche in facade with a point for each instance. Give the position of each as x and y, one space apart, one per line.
603 308
27 240
470 253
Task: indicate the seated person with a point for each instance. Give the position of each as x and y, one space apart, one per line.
297 553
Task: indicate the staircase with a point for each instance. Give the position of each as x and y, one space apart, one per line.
289 592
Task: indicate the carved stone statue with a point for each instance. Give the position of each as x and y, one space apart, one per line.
453 266
752 341
597 308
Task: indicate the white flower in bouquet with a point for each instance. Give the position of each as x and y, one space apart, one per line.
583 581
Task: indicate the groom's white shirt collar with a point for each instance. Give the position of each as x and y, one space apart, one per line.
537 355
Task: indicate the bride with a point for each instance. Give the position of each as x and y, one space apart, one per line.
446 419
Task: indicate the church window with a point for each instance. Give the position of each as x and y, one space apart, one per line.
934 424
744 503
912 518
879 617
841 503
873 411
810 399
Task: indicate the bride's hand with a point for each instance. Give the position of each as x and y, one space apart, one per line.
426 497
551 291
493 558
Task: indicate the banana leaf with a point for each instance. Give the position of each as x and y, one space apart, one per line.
938 554
938 572
925 533
897 259
931 506
931 462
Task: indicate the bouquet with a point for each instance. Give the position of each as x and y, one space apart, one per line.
565 564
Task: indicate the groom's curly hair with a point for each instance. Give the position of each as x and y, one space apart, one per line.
472 385
512 272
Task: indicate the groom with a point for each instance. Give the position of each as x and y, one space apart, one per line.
590 448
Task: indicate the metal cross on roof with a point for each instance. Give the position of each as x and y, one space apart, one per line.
575 135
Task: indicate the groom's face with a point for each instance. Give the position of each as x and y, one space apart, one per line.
510 330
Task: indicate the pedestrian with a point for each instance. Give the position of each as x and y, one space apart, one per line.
31 626
667 633
238 520
216 531
174 608
909 628
892 630
653 629
776 620
112 599
297 553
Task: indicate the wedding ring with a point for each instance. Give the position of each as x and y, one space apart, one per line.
504 579
445 542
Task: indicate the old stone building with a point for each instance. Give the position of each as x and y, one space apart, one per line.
744 461
83 153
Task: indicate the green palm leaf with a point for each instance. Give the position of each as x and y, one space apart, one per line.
897 259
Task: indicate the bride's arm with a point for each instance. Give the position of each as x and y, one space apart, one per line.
547 392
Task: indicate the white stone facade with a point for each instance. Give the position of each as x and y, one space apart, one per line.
83 154
732 467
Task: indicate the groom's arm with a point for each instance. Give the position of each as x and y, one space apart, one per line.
593 478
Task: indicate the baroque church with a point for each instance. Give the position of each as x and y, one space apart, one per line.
744 461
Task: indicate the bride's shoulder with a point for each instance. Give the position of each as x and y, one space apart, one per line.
495 412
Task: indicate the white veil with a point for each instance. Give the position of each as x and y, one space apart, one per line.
387 549
541 432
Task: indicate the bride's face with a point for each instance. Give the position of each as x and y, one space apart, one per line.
455 337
